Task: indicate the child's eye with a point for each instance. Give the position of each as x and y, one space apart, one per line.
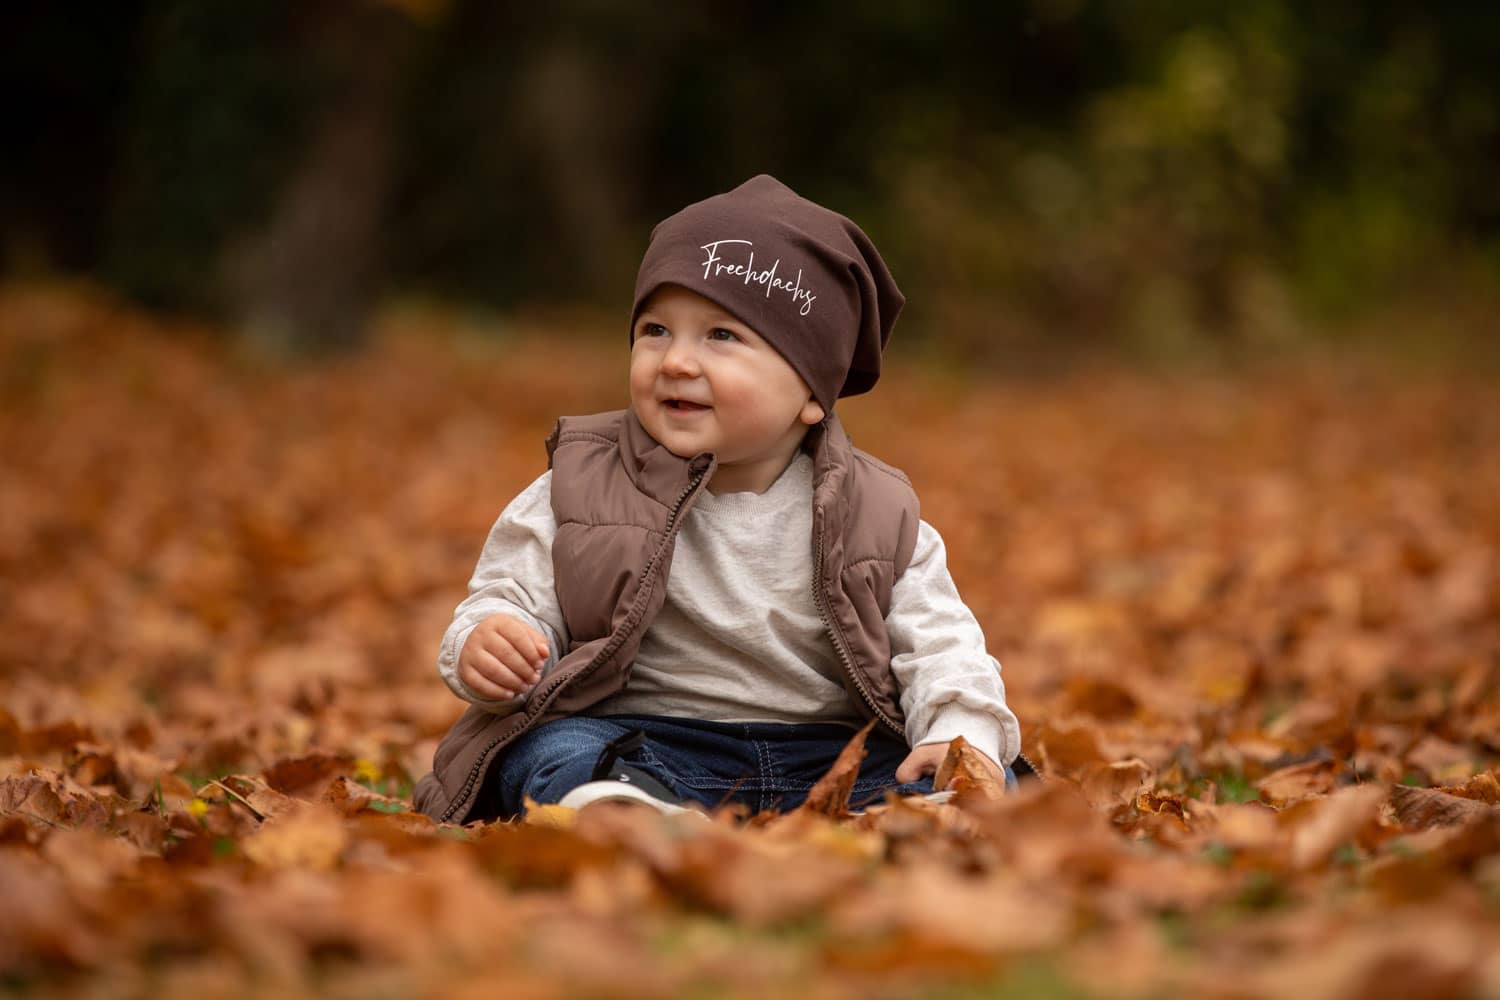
719 333
653 330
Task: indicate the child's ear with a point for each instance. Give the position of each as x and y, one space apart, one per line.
812 412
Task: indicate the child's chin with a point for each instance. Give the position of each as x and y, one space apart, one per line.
683 451
683 445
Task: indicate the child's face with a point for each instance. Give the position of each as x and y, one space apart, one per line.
700 380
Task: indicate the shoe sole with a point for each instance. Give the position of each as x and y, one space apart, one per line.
617 791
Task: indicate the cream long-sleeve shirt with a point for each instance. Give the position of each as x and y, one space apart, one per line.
739 638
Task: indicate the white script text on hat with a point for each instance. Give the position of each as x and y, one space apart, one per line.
714 266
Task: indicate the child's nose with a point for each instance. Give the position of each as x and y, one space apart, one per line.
681 359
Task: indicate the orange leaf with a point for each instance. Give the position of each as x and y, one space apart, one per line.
967 772
1337 819
830 796
305 836
1482 788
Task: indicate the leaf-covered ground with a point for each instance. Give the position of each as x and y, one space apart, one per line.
1251 626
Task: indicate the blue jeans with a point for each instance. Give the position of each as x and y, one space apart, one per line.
763 765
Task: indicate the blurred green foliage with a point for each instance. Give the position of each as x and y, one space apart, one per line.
1040 173
218 110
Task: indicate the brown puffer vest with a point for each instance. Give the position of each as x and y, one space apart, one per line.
619 498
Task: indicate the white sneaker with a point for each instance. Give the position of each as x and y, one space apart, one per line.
616 791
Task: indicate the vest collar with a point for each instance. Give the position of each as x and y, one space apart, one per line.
662 475
832 453
655 471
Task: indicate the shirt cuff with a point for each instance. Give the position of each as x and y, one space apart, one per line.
448 670
980 730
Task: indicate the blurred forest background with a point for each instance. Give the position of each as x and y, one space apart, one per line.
1163 179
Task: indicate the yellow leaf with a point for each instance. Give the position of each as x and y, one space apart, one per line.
367 770
552 816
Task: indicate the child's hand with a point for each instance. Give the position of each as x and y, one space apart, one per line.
502 658
924 760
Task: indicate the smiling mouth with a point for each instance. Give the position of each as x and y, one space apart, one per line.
685 406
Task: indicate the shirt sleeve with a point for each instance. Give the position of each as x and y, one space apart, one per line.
950 684
513 577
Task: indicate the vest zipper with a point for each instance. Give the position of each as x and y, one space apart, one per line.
839 647
1035 773
538 699
847 658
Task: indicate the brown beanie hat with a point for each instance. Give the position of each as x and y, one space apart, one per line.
806 279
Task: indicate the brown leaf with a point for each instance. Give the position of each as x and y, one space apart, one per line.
1110 785
991 914
1483 787
1430 860
1425 807
304 836
253 793
1248 826
760 880
965 771
1069 745
40 921
1101 697
548 857
94 766
307 777
52 798
1337 819
1156 800
146 830
1298 781
90 860
348 799
58 736
830 795
10 733
1441 759
1424 956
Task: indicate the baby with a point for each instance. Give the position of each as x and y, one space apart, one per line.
709 591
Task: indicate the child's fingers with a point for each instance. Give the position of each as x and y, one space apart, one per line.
922 761
527 641
507 674
505 652
489 681
489 692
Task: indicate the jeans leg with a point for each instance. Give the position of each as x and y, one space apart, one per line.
763 765
796 756
804 753
550 761
709 763
877 775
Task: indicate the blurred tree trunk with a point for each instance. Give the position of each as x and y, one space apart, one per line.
305 281
581 125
